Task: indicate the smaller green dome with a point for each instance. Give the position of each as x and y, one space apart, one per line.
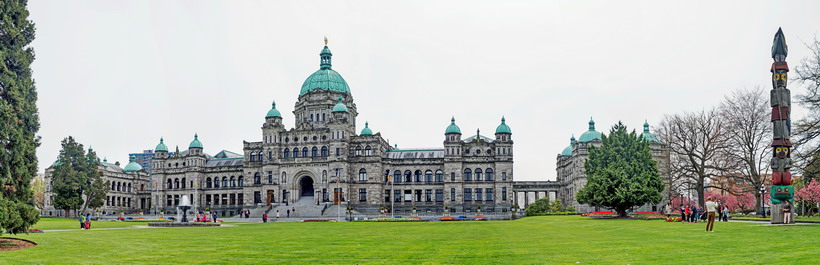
195 143
161 146
366 130
340 107
568 151
453 128
273 112
503 128
132 165
648 136
591 134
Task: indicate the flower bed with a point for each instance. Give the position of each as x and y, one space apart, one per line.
601 214
394 220
673 219
446 218
139 220
552 213
318 220
649 215
480 218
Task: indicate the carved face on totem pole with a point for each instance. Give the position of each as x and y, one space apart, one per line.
779 78
781 152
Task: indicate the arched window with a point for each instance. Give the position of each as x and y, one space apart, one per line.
368 150
418 176
142 186
324 176
408 176
468 174
284 178
478 175
208 183
439 175
295 152
241 181
233 181
489 174
129 187
118 186
183 183
314 152
224 182
260 156
362 174
428 176
286 153
257 178
504 193
304 152
113 186
216 182
358 151
324 150
176 183
397 176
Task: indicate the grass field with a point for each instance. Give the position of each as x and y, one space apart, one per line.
799 218
547 239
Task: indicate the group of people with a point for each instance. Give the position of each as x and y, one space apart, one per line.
693 213
288 212
202 217
85 221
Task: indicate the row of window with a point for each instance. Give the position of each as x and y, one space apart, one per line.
437 195
120 186
117 201
232 182
305 152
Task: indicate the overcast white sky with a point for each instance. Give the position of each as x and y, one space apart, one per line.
118 75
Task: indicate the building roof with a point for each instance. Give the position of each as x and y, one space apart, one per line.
416 153
227 154
161 146
273 112
648 136
325 78
132 165
485 138
503 128
591 134
340 106
568 151
195 143
225 162
453 128
366 130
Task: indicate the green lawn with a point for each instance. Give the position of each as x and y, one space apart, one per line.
799 218
547 239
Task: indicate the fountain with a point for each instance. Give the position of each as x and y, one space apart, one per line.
184 206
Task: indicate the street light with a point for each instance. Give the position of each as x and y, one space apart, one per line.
763 200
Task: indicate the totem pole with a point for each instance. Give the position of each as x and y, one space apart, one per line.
781 189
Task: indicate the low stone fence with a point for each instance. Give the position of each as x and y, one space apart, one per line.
176 224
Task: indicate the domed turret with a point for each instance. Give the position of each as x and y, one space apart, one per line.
273 112
591 134
453 128
366 130
340 106
325 78
195 143
568 151
132 165
503 128
648 136
161 146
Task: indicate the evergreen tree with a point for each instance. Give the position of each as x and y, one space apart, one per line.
621 173
539 206
19 120
76 178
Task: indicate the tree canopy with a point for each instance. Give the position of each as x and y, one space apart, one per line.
621 173
76 180
19 120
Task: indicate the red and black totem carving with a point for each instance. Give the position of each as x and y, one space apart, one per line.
782 189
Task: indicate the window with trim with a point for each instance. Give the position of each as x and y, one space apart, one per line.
286 153
304 152
468 194
362 174
418 176
324 150
478 174
208 183
504 176
257 178
504 193
489 174
397 176
368 150
452 194
358 151
314 152
408 176
284 178
428 176
295 152
478 195
468 174
241 181
439 195
452 176
270 177
489 193
362 195
439 175
428 195
324 176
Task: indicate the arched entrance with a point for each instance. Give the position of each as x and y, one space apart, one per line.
306 186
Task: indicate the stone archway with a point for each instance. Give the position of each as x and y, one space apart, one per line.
306 187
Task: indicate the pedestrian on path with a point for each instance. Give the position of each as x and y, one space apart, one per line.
277 214
215 217
682 214
287 213
81 218
265 218
711 207
787 213
294 211
88 221
688 214
725 212
694 216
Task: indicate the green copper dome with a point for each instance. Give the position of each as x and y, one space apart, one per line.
132 165
590 135
568 151
503 128
195 143
453 128
648 136
325 78
366 130
273 112
340 107
161 146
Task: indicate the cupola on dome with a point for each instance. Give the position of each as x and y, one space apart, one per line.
453 128
325 78
648 136
366 130
195 143
503 128
568 151
132 165
161 146
340 106
273 112
591 134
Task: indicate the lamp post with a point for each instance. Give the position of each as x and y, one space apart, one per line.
392 212
338 195
763 200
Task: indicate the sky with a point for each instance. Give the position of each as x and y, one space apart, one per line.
118 75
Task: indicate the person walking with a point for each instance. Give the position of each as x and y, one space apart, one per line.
694 216
668 210
287 213
265 218
215 216
293 210
682 213
198 216
725 212
688 216
711 207
277 214
787 213
81 218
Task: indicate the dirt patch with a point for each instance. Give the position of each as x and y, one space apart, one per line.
12 244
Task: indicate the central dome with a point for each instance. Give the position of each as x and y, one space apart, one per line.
325 78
